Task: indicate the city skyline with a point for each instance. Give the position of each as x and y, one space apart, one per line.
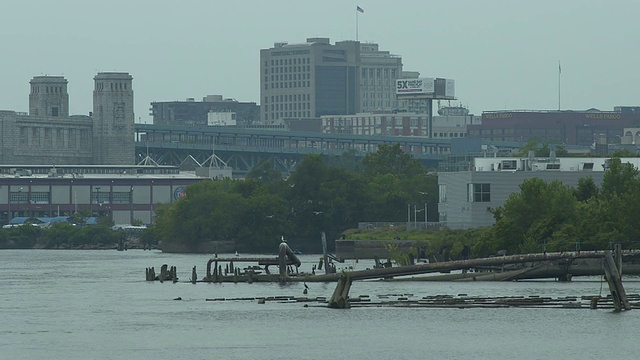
502 54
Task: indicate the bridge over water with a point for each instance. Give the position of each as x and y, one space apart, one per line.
243 148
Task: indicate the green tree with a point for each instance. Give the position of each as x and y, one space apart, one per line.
586 189
265 171
391 159
534 214
619 179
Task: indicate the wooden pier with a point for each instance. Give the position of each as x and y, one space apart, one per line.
340 299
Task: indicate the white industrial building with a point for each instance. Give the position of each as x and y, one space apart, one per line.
466 198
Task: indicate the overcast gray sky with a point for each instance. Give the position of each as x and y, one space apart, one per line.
502 53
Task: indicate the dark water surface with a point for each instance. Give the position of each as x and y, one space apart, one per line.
96 305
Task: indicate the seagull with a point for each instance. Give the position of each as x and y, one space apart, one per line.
270 216
317 212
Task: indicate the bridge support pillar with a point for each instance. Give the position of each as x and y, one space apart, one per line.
340 297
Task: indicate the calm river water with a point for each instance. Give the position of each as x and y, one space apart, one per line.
57 304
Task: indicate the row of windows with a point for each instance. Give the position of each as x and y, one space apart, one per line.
289 61
290 77
293 106
290 97
48 89
379 95
378 82
366 104
448 135
287 85
287 69
48 137
378 73
289 114
113 86
102 197
43 197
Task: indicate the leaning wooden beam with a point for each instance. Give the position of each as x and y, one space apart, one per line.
467 264
620 301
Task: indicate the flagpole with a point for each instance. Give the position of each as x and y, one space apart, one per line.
559 72
357 23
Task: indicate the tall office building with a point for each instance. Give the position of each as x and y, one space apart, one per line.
309 80
378 73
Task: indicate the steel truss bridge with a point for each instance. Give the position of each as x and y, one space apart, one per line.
242 149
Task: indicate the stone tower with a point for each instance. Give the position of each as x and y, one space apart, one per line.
48 96
113 119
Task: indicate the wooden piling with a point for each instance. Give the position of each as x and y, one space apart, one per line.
618 294
174 274
194 275
163 272
618 258
340 297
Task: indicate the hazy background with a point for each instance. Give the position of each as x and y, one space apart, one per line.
502 53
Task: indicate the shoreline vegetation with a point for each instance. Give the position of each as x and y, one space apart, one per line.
332 194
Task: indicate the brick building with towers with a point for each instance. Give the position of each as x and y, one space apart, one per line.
49 135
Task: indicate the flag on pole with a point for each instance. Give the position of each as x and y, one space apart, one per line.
360 9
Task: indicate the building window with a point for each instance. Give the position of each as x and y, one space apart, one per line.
18 197
479 193
39 197
442 193
123 197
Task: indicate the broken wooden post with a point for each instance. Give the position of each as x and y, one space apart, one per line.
194 275
618 258
174 274
618 294
340 297
163 272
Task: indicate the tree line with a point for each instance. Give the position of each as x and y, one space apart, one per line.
333 194
327 195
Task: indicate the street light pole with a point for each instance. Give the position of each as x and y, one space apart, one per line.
131 205
425 215
9 203
19 199
97 201
408 216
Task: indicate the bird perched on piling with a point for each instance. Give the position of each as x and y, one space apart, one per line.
306 289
